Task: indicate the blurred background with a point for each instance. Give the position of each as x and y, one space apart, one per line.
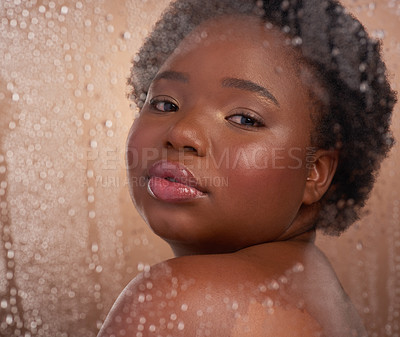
70 238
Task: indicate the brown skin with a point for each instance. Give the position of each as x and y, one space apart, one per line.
238 242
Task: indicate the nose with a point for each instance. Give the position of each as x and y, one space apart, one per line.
187 133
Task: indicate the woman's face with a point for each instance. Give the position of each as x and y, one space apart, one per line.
217 158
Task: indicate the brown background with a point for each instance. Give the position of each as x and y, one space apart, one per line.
70 237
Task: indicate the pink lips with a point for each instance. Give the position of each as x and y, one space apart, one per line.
172 182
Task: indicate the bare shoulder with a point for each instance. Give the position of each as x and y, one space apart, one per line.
217 295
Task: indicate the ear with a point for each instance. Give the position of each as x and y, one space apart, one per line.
320 175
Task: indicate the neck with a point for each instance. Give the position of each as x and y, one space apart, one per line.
301 236
179 249
190 249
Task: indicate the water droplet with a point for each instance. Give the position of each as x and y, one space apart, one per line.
378 34
95 247
141 298
3 304
268 303
283 279
297 41
235 305
273 285
64 10
364 86
298 268
9 319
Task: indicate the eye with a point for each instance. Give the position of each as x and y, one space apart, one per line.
246 120
163 105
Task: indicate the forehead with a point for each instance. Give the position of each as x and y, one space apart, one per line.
238 31
237 42
240 46
229 27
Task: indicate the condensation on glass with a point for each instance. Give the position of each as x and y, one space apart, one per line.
70 238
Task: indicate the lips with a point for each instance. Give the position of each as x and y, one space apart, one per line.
173 182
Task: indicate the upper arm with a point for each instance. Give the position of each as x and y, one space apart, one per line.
164 302
175 301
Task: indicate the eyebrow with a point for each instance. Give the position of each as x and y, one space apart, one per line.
228 82
249 86
172 75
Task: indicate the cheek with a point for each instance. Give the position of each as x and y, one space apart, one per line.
274 183
141 147
276 158
270 176
254 159
133 144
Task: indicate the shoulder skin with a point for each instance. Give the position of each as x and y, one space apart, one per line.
240 294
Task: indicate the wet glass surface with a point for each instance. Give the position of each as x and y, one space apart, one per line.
70 236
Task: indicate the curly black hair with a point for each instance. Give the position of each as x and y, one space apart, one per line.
348 65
